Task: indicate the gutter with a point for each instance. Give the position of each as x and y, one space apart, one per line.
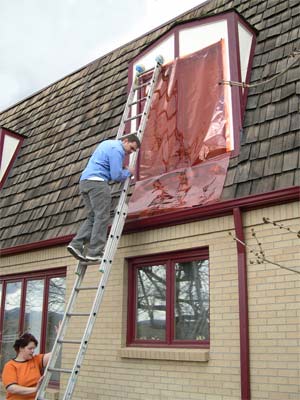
217 209
243 305
198 213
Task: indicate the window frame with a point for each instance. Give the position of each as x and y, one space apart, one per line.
47 275
238 94
169 259
3 133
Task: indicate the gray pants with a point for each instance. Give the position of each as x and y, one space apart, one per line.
93 232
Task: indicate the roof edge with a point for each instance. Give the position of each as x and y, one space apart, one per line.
198 213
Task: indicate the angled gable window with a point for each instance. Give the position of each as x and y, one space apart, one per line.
10 144
195 120
239 41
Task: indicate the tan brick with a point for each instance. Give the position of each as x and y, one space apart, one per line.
273 317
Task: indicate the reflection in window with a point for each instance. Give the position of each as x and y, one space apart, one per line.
34 308
11 319
151 303
191 300
56 304
33 302
168 299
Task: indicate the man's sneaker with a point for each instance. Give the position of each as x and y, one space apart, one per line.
94 259
75 253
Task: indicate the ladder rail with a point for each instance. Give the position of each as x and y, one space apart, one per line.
141 128
57 346
108 256
127 108
106 262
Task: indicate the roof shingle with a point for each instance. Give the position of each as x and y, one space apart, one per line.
65 121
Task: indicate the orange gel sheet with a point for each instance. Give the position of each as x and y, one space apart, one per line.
183 158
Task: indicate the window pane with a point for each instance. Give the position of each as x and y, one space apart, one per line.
151 303
192 300
199 37
245 40
11 319
8 151
56 305
34 309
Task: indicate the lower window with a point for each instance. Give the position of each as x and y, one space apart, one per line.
34 303
168 300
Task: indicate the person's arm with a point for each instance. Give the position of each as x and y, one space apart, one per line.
117 172
14 388
46 359
22 390
10 381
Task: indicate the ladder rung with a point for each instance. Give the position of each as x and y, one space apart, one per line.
78 314
134 117
138 101
87 288
67 371
142 85
69 341
110 247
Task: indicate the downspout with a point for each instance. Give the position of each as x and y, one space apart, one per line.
243 306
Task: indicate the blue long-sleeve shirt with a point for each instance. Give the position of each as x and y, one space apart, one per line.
107 162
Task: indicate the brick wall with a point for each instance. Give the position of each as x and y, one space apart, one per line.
110 371
274 312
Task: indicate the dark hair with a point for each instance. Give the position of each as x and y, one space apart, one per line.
132 137
24 341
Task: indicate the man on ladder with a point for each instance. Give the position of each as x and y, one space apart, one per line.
106 164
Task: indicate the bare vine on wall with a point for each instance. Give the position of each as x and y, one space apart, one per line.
258 251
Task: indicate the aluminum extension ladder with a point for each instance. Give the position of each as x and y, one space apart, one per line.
109 250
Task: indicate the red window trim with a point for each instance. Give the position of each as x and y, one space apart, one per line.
166 258
7 132
47 275
239 98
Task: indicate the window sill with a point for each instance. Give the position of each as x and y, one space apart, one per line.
201 355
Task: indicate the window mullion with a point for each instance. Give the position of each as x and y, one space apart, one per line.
22 305
169 302
176 43
4 283
44 314
132 303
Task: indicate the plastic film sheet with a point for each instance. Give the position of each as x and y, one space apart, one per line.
183 158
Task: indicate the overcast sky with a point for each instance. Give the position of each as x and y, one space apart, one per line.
42 41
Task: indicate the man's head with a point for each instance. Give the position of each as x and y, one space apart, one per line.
130 143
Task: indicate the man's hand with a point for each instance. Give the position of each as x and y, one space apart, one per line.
57 328
131 170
